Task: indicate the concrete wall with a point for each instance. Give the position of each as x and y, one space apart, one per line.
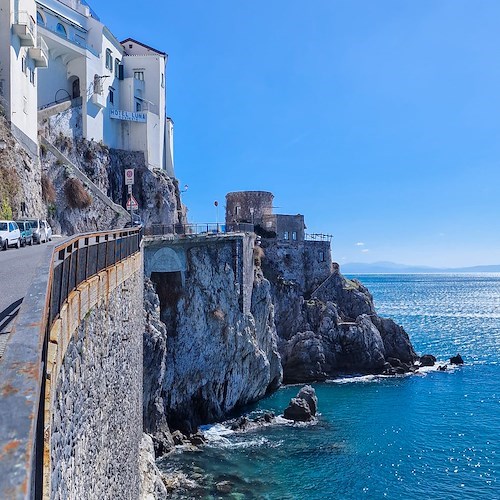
18 89
94 394
171 255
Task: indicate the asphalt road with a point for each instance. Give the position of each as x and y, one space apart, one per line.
17 270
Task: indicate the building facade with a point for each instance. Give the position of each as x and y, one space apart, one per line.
119 86
23 53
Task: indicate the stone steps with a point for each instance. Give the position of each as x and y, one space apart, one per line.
83 177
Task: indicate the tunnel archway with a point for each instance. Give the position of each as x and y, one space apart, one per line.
167 273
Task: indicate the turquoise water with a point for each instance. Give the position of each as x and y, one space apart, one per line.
435 435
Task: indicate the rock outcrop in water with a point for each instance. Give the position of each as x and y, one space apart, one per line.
302 407
336 331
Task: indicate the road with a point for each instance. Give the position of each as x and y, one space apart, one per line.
17 270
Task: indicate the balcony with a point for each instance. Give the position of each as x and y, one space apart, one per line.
40 54
23 26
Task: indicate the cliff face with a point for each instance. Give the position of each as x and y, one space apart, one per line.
20 179
336 330
157 194
216 357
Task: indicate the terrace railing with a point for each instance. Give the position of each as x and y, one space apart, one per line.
318 237
196 229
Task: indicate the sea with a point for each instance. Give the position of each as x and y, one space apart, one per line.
435 435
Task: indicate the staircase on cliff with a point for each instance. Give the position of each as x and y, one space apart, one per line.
84 178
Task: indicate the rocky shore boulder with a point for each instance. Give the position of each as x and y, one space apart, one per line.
427 360
303 407
456 360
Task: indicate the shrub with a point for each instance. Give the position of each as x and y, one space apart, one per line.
76 195
9 187
5 209
48 190
258 255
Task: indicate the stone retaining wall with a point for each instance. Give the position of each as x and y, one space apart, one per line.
94 391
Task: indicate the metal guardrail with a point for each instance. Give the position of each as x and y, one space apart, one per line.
196 229
23 366
318 237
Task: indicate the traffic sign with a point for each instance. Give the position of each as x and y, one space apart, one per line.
129 176
132 203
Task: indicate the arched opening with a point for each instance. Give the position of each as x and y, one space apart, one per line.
167 270
40 20
169 290
75 87
61 30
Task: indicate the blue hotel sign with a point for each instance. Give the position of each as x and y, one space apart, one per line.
129 116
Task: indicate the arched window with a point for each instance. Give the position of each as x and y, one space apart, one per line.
39 19
61 30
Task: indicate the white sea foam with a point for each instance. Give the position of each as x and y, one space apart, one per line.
422 371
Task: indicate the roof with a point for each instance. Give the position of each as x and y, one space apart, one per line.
143 45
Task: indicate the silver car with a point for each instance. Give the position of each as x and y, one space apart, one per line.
42 232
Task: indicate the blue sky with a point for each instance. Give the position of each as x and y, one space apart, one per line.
378 120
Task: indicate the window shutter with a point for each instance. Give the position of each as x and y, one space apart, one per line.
120 72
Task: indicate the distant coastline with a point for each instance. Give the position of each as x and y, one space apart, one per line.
395 268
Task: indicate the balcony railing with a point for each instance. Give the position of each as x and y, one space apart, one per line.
24 27
318 237
73 39
40 53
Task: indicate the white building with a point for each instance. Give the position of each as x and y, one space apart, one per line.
120 87
22 53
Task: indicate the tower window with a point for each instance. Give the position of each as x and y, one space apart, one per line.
294 235
139 75
286 236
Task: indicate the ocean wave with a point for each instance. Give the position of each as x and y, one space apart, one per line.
363 379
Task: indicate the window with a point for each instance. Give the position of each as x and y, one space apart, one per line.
109 60
39 18
32 76
162 81
138 106
23 64
11 227
321 256
61 30
294 235
111 95
286 236
117 68
139 75
237 210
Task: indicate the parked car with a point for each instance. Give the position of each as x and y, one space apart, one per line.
48 231
42 232
26 232
9 234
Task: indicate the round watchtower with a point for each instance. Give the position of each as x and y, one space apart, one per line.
248 206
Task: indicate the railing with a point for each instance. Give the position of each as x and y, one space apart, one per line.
74 40
23 18
43 47
318 237
197 229
24 364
